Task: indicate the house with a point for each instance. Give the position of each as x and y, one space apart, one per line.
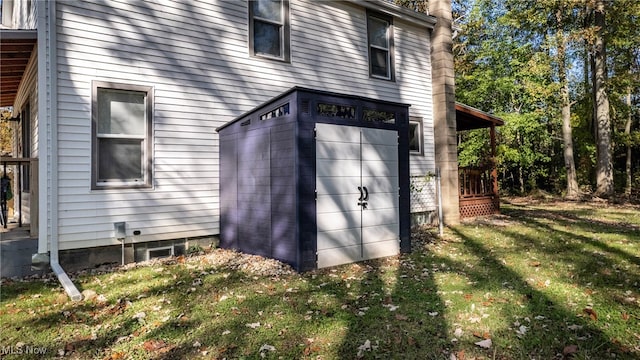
116 106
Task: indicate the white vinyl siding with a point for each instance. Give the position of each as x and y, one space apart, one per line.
197 88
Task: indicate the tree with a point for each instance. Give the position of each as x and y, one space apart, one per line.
553 22
604 164
623 50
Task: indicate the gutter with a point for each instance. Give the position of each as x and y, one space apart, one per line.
48 152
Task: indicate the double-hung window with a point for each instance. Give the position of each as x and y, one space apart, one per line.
269 32
122 128
380 37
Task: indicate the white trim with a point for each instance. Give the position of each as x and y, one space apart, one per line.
150 250
47 91
53 120
43 136
420 135
399 12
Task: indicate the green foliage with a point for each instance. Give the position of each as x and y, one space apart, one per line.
474 148
507 63
6 132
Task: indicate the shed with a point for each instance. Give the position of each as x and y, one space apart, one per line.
316 179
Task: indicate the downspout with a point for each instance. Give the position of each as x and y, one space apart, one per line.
52 100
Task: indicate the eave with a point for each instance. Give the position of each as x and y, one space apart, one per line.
16 47
399 12
469 118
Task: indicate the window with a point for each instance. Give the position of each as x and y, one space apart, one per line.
281 110
381 116
339 111
269 29
380 35
121 127
415 136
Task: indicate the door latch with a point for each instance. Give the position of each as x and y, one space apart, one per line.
364 196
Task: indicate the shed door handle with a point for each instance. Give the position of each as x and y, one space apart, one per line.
361 195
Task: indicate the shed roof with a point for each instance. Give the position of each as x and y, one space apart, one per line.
469 118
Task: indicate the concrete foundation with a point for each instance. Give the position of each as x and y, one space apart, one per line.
16 255
15 258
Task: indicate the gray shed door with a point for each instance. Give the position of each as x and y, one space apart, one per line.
354 166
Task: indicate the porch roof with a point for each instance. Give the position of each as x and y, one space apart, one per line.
16 47
468 118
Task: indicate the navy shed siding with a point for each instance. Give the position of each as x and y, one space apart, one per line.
268 175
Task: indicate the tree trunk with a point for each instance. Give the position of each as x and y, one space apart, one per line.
627 132
604 165
570 166
521 179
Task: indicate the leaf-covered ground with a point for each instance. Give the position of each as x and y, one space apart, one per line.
542 281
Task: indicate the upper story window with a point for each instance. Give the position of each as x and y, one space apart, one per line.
380 37
121 127
269 29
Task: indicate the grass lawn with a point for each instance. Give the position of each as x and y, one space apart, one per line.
542 281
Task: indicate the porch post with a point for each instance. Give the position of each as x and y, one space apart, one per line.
494 167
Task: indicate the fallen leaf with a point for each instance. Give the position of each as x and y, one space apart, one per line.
391 307
153 345
118 355
574 327
267 347
522 330
401 317
364 347
140 315
625 316
592 314
253 325
570 350
484 335
534 263
310 349
485 344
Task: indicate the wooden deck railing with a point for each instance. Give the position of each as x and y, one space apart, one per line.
475 182
478 191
